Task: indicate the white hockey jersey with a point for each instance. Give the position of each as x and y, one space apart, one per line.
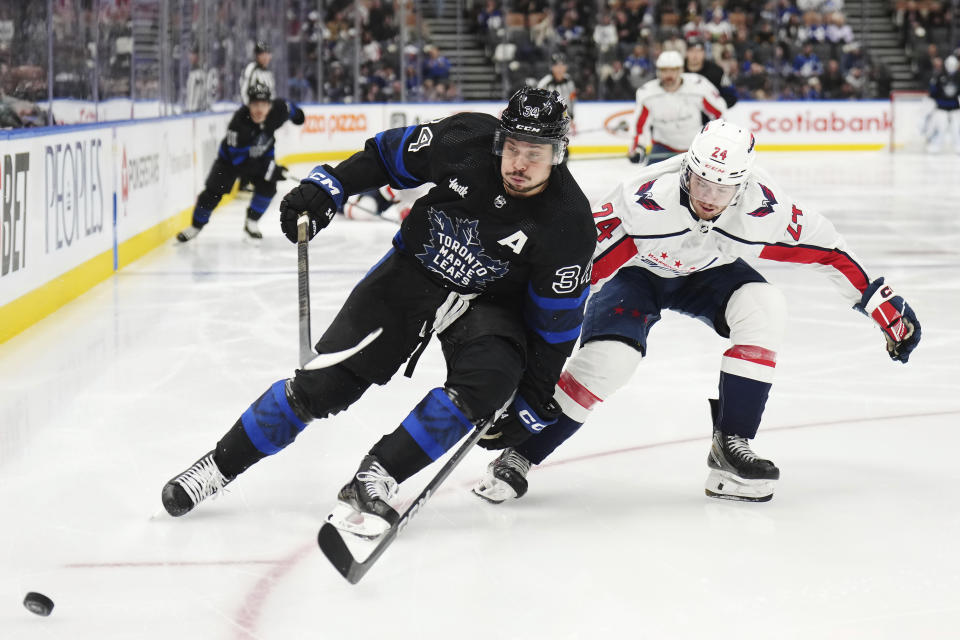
645 222
672 119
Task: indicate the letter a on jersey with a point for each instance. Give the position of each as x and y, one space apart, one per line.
515 241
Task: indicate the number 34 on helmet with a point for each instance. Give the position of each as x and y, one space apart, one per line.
722 154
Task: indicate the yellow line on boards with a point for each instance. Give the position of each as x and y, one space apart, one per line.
21 313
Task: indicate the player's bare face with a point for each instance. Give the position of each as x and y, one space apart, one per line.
709 199
259 110
525 167
670 78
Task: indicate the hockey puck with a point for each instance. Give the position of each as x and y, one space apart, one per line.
38 603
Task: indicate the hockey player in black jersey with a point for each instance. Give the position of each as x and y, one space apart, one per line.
495 259
246 152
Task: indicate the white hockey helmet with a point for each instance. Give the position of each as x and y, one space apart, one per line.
951 64
670 60
718 163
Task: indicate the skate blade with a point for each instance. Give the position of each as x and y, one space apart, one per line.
727 486
362 525
494 494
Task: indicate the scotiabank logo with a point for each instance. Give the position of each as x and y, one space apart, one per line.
75 202
807 122
343 123
13 228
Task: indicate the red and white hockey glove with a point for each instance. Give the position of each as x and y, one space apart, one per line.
896 319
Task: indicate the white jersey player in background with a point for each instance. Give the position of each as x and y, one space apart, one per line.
674 237
671 109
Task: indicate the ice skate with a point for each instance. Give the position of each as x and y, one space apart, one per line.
506 477
252 229
188 234
362 507
188 489
737 473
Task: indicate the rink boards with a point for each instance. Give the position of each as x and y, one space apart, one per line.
80 202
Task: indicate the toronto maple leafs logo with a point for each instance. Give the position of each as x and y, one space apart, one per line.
767 207
644 199
455 253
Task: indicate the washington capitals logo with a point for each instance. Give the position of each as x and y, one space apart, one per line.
455 253
644 199
768 202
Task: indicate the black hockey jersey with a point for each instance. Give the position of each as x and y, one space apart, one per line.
247 141
469 235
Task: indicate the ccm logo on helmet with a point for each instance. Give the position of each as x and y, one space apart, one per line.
713 167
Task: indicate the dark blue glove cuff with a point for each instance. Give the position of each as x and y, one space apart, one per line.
529 417
326 181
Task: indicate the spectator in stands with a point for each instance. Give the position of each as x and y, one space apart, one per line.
807 63
838 31
605 37
617 84
812 90
638 65
857 81
696 62
436 66
924 64
812 30
570 32
490 18
718 27
832 80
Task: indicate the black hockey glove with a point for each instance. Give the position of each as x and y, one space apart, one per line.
637 155
320 195
896 319
519 422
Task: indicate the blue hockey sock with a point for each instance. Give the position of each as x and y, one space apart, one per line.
540 445
270 422
436 424
742 401
258 204
201 216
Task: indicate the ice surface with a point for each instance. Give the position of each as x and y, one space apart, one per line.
106 399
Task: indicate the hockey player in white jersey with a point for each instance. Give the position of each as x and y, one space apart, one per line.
674 237
671 109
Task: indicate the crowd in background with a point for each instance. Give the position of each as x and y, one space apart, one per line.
383 51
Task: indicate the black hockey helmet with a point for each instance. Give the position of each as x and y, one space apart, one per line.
558 58
260 47
259 91
534 115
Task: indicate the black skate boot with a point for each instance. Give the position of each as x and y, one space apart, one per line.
736 472
506 477
185 491
362 507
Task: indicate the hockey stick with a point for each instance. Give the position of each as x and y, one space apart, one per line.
333 546
303 286
308 358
